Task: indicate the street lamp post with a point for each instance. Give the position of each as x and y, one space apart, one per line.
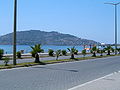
115 4
14 33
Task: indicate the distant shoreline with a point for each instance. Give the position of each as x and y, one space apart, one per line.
8 49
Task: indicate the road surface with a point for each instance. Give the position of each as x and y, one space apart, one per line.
58 76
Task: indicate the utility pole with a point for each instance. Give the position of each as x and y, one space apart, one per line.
14 33
115 4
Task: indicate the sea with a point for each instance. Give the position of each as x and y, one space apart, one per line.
8 49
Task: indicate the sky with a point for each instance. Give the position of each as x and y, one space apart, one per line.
88 19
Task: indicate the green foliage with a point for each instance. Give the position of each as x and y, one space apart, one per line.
113 50
104 50
72 51
6 60
101 52
1 53
33 53
98 50
64 52
94 50
76 52
84 52
35 50
19 54
118 49
91 51
58 53
108 49
51 52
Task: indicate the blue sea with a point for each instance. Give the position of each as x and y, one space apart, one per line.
8 49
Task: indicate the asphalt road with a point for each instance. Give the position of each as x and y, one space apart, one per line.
58 76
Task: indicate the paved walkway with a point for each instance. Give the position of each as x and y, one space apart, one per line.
43 59
109 82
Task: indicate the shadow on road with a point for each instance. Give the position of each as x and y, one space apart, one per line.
56 69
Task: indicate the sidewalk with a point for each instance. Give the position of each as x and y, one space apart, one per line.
109 82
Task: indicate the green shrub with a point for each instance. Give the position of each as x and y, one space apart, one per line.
64 52
118 49
84 52
19 54
6 60
51 52
33 53
98 50
1 53
76 52
113 50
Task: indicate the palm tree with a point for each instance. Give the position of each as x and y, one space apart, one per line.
118 49
100 51
108 49
35 50
72 51
1 53
58 53
94 50
84 52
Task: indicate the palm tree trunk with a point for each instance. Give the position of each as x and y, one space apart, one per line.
101 54
57 58
6 64
72 56
108 52
0 57
94 54
37 60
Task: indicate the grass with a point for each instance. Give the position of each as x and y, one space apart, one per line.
28 64
26 57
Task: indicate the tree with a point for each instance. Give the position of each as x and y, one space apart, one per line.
118 49
84 52
1 53
58 53
6 60
108 49
64 52
35 50
19 54
100 51
51 52
76 52
72 51
94 50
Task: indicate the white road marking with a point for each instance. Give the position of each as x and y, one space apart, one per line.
76 87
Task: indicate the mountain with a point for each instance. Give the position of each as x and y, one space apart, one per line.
45 38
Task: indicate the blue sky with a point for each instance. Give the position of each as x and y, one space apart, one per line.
89 19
